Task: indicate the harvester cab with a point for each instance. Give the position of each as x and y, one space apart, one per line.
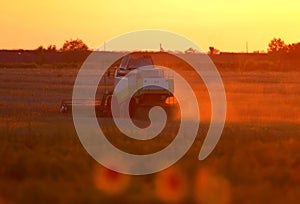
150 82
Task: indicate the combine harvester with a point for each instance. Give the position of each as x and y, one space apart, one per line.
135 70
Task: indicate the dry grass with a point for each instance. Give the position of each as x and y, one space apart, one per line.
256 161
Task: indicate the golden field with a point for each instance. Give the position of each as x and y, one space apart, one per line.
257 159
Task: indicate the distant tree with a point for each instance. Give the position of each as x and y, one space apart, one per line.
51 48
40 48
40 55
74 45
213 50
293 48
74 51
296 48
277 45
190 50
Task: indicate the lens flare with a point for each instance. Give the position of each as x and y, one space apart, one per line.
211 188
171 185
109 181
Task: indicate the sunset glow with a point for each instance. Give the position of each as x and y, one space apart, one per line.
226 25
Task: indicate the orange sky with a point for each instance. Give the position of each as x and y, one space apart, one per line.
224 24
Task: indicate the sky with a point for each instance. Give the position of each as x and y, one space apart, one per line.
224 24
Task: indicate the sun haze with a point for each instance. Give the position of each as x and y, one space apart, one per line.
226 25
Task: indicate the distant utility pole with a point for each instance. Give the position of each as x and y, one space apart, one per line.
247 47
104 47
161 48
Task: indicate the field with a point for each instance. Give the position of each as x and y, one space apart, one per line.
257 159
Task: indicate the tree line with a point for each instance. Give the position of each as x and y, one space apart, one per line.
69 45
278 47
